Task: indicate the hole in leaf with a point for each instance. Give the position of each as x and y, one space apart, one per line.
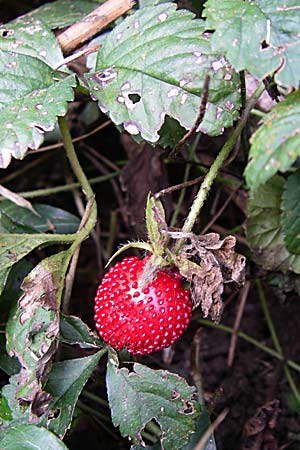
135 98
264 44
54 414
6 33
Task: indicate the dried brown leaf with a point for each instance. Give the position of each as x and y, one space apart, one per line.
32 332
208 262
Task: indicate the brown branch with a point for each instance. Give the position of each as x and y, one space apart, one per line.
199 118
90 25
237 322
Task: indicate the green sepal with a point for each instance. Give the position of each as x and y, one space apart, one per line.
156 225
140 245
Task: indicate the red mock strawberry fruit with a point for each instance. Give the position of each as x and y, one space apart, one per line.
141 320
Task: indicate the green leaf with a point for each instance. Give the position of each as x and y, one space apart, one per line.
8 365
63 13
258 36
32 95
3 278
144 394
65 383
75 332
276 143
14 247
47 219
153 65
290 216
30 437
29 36
264 230
32 331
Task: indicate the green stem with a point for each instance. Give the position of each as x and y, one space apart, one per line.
84 183
251 340
217 164
71 154
65 188
275 339
89 219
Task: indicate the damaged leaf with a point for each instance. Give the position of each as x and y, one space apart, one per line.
208 262
65 383
33 329
19 414
32 96
258 36
153 65
276 144
264 230
144 394
259 429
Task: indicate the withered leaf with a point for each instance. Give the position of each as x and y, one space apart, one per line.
208 262
33 330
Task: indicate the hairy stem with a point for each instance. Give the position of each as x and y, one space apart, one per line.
90 217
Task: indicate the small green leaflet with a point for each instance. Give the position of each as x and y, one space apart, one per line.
290 216
136 397
258 35
276 144
264 231
153 65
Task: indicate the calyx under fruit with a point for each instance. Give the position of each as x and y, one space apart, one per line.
143 320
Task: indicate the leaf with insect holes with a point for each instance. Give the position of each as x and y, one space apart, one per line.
30 437
32 95
46 219
137 397
290 215
264 230
27 35
63 13
276 144
19 414
258 36
65 383
153 65
33 328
